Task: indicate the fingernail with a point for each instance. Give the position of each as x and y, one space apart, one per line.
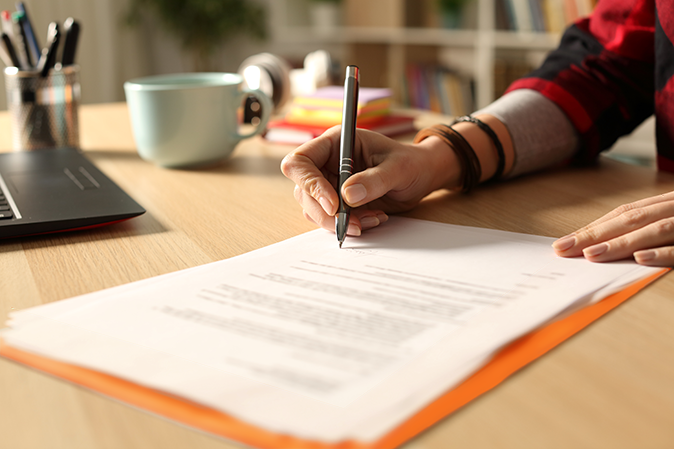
369 222
354 193
353 230
564 243
326 205
383 218
595 250
645 256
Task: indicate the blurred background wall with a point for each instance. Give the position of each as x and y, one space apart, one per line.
470 49
110 51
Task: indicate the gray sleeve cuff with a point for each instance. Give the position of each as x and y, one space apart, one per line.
542 135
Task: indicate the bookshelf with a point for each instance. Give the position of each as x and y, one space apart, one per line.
385 36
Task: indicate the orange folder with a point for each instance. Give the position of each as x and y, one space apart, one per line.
509 360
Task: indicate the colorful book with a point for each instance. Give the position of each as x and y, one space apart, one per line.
324 107
333 96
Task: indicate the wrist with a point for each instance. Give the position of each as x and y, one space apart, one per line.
470 151
441 162
485 147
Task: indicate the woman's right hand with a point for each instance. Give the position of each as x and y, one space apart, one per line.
389 177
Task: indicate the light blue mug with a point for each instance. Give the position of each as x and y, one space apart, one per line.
190 119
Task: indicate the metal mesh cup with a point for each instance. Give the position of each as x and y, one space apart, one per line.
43 109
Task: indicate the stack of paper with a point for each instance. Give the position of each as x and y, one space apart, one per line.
311 342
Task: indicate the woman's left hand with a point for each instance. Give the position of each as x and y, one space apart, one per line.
643 230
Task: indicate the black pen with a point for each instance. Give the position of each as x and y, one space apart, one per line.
5 56
71 29
7 42
346 144
48 57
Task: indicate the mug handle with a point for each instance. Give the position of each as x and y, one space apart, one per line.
266 112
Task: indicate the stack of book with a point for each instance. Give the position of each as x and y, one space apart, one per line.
311 115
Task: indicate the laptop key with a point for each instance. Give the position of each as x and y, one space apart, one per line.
6 214
3 208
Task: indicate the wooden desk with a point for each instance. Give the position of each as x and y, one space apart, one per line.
611 386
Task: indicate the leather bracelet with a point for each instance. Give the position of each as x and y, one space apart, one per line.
471 171
494 138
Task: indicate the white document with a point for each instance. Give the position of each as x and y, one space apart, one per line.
306 339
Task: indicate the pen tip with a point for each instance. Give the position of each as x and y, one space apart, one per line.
340 245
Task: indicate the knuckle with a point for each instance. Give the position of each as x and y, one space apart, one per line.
633 217
287 164
625 208
310 184
590 235
665 227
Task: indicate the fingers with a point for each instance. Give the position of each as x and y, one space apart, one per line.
644 229
304 167
368 219
387 168
656 257
360 219
626 208
314 211
367 186
396 172
654 235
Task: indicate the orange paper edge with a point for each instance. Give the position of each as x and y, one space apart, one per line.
509 360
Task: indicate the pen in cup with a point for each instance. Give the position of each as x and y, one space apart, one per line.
48 57
19 41
4 55
29 33
346 144
9 48
71 31
7 27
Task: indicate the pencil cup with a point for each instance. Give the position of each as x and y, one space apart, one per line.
43 109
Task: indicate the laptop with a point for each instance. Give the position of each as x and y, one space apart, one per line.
55 190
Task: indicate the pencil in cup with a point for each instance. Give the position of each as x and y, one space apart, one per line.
44 109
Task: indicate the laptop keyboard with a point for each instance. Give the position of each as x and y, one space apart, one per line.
5 210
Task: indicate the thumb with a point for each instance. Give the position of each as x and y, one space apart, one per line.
372 183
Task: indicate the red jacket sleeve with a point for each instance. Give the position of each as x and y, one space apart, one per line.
602 73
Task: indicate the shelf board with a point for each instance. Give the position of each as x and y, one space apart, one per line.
525 41
374 35
419 36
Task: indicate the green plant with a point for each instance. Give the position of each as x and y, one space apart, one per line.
452 6
202 25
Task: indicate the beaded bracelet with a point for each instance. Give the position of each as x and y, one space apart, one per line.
492 135
471 171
